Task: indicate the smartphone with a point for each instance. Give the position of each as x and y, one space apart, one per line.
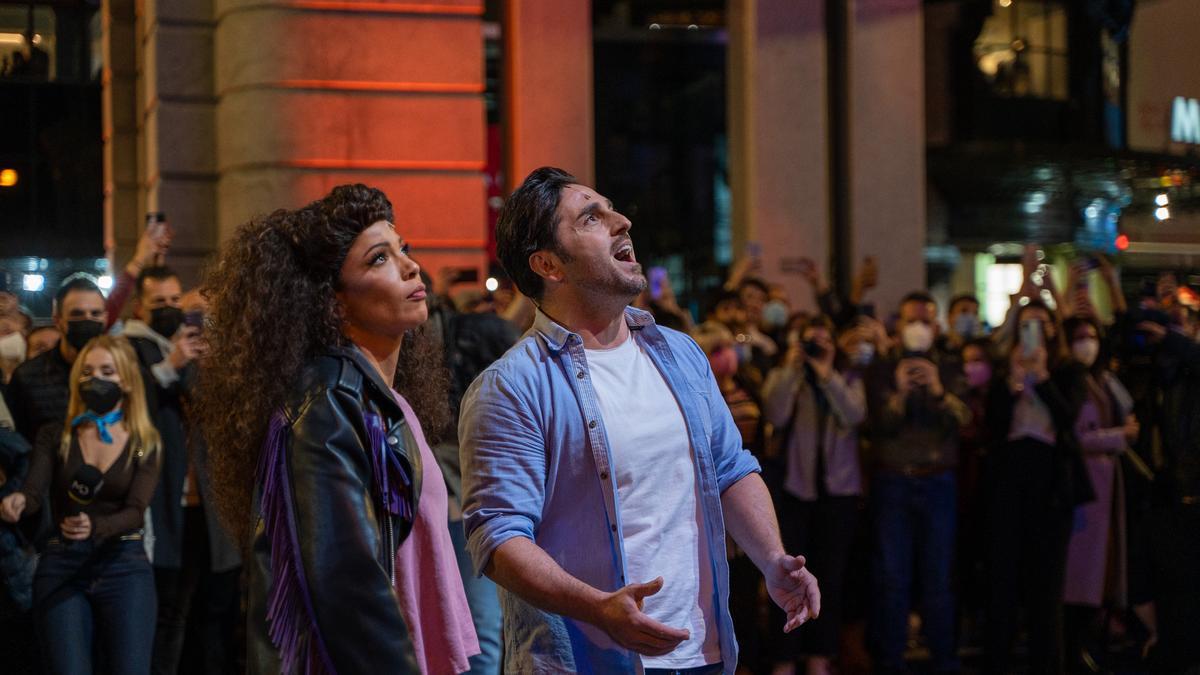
194 319
813 350
656 277
1031 337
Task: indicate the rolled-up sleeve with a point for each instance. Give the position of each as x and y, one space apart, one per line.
503 455
732 461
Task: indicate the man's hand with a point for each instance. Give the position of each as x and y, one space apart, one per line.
620 615
189 346
905 376
794 589
926 375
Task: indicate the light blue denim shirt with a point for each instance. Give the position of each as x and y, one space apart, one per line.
536 464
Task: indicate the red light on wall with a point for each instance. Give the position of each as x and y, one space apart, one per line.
1122 242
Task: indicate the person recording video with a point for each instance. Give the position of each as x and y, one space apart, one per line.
98 471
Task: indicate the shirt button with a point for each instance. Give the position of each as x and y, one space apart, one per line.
580 375
592 424
603 475
614 528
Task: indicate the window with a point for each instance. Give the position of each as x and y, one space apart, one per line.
1022 49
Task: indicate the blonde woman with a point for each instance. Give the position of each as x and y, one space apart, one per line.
98 471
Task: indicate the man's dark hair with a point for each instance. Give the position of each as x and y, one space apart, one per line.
965 297
922 297
756 283
527 223
79 281
155 272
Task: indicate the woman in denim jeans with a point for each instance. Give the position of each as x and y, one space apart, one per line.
98 472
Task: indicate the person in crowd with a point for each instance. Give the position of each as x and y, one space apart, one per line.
963 324
1036 480
152 247
318 463
41 340
472 341
1173 525
94 589
737 388
37 393
915 423
818 408
17 558
601 467
1096 554
167 351
978 369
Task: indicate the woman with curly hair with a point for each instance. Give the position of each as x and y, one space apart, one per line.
317 462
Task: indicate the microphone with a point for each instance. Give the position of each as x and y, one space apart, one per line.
85 485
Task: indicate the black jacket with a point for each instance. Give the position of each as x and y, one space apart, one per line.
37 393
346 537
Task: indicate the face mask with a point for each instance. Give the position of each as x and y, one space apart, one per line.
100 396
863 355
1086 351
917 337
775 314
166 320
80 331
12 347
978 373
724 362
967 325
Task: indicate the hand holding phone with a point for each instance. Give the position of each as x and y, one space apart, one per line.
1031 337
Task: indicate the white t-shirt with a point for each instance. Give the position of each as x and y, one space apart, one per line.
658 499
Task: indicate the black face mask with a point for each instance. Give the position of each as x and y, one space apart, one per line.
166 320
100 396
80 331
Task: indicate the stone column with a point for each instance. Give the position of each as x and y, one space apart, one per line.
548 111
887 208
778 136
178 127
311 95
120 125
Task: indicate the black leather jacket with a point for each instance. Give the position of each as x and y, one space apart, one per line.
347 539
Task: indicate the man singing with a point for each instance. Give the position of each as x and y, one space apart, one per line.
601 466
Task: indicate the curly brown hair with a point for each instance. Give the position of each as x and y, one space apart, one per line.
272 308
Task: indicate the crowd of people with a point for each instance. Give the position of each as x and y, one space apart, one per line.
1024 493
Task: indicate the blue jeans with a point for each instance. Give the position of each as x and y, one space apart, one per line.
484 601
915 519
82 589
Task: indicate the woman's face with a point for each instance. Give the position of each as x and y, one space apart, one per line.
1083 332
99 364
381 289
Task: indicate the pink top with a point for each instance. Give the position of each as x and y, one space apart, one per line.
431 593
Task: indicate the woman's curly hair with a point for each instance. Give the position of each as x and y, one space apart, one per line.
272 309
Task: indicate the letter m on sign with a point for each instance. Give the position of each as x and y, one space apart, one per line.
1185 121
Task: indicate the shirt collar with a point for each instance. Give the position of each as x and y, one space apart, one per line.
558 336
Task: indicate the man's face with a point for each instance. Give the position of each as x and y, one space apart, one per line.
596 252
158 293
753 300
80 305
916 311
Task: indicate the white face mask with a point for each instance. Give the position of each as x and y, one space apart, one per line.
1086 351
12 347
917 337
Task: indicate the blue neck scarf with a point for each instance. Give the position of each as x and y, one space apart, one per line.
102 422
